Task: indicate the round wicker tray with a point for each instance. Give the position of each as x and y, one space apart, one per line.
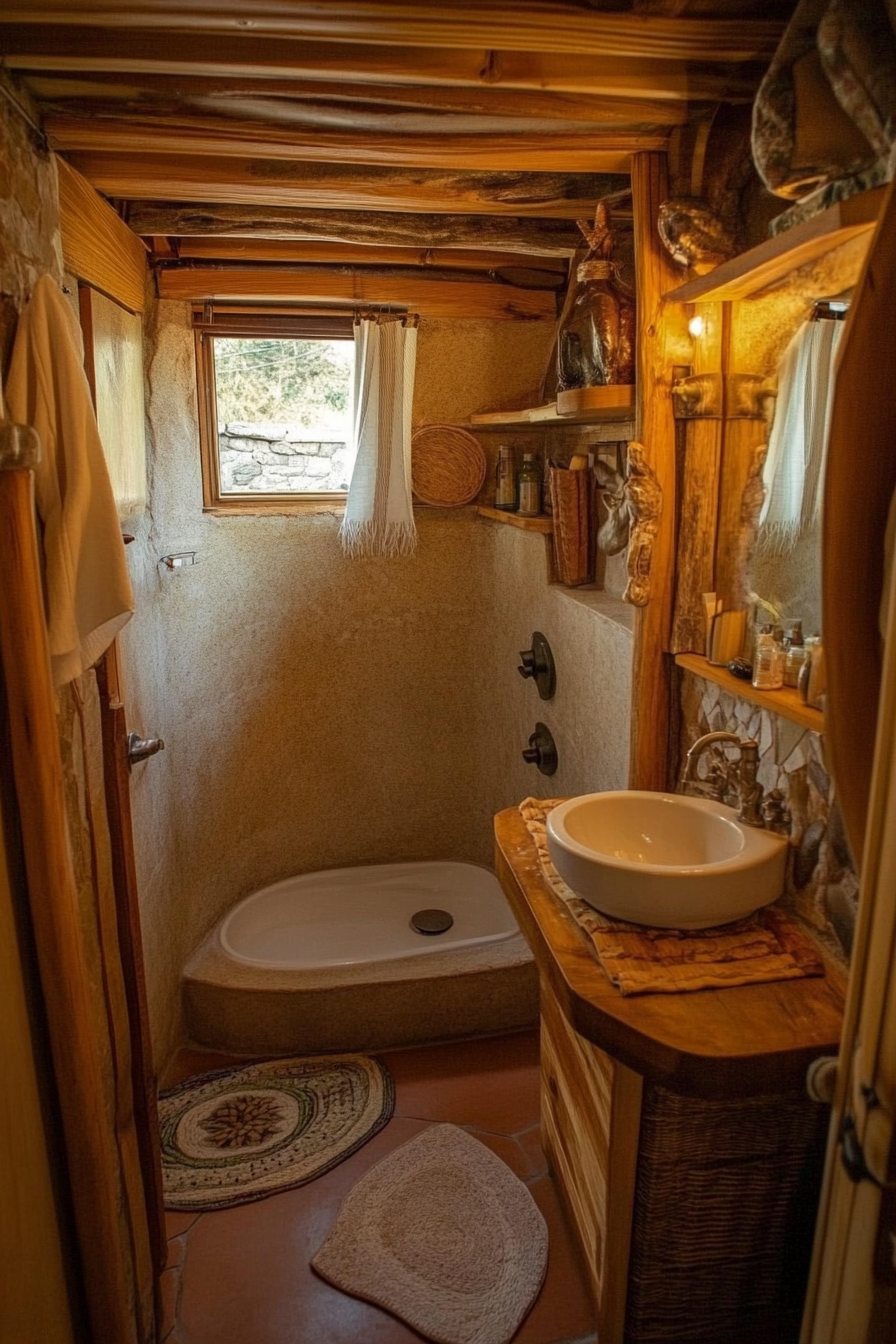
447 466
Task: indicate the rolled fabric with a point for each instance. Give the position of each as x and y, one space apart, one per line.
858 52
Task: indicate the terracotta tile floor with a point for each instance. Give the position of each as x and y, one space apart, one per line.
242 1275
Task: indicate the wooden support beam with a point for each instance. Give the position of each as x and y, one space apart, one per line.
96 245
302 101
122 51
292 182
605 151
348 254
661 343
698 503
534 237
561 28
433 298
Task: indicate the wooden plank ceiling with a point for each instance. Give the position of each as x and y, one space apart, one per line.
319 152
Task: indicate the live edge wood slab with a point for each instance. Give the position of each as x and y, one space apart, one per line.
745 1041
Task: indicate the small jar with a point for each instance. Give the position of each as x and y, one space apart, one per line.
530 487
794 658
506 497
768 662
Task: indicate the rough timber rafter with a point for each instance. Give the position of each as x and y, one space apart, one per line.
300 100
287 182
563 28
231 56
608 152
534 237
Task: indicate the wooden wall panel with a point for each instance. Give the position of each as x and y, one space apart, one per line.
96 245
662 343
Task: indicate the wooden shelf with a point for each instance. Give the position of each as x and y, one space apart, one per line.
786 702
762 266
542 523
583 406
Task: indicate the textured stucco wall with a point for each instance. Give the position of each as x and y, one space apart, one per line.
320 711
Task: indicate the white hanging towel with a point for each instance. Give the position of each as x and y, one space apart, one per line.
379 514
88 590
793 474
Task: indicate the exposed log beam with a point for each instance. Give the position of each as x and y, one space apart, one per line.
561 28
534 237
347 254
435 298
300 99
122 52
608 152
251 181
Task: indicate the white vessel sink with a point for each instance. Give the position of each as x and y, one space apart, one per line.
663 859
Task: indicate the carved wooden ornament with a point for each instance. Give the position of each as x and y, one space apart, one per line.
644 495
750 508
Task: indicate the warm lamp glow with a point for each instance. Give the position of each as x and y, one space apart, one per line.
696 326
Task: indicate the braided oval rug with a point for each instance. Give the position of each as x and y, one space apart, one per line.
238 1135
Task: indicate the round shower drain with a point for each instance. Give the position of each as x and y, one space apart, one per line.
431 921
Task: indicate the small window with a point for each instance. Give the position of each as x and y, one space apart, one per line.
275 395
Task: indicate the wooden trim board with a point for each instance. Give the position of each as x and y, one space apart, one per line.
96 245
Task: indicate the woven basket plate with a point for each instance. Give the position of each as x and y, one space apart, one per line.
447 466
240 1134
442 1234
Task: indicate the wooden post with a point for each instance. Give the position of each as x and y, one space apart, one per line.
699 481
82 1080
661 343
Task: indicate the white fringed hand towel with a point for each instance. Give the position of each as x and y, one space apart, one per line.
794 467
89 594
379 514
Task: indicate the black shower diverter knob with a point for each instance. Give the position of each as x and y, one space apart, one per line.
538 663
542 750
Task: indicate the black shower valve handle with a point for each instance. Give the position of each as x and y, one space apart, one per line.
538 663
542 750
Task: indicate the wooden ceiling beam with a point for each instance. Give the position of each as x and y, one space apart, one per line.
289 182
559 28
298 99
607 152
435 298
295 252
34 47
532 237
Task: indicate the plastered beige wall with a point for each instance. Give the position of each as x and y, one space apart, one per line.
319 711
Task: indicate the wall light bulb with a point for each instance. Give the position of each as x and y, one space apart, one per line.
697 326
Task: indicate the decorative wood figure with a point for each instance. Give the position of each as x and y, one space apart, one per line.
694 235
750 508
644 495
613 534
596 348
698 397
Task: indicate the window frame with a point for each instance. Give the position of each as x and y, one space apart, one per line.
211 320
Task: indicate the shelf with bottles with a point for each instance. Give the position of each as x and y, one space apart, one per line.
542 523
785 701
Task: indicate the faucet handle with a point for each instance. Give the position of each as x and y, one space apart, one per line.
775 812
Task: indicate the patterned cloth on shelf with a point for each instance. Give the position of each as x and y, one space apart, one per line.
766 946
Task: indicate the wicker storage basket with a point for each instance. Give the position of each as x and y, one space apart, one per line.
725 1205
570 491
447 466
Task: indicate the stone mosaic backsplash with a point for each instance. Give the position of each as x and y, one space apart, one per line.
822 888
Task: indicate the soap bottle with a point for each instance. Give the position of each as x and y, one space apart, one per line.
530 487
794 654
768 661
505 481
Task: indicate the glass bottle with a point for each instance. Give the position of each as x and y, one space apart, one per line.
505 481
794 654
768 661
530 487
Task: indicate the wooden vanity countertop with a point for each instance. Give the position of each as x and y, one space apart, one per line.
741 1041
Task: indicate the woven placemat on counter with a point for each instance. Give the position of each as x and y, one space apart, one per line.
764 947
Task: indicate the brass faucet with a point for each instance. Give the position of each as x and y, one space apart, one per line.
725 776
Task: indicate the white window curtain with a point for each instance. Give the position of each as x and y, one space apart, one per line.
794 466
379 515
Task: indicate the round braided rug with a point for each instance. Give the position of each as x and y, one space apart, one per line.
241 1134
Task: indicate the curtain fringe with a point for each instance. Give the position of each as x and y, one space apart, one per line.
368 538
